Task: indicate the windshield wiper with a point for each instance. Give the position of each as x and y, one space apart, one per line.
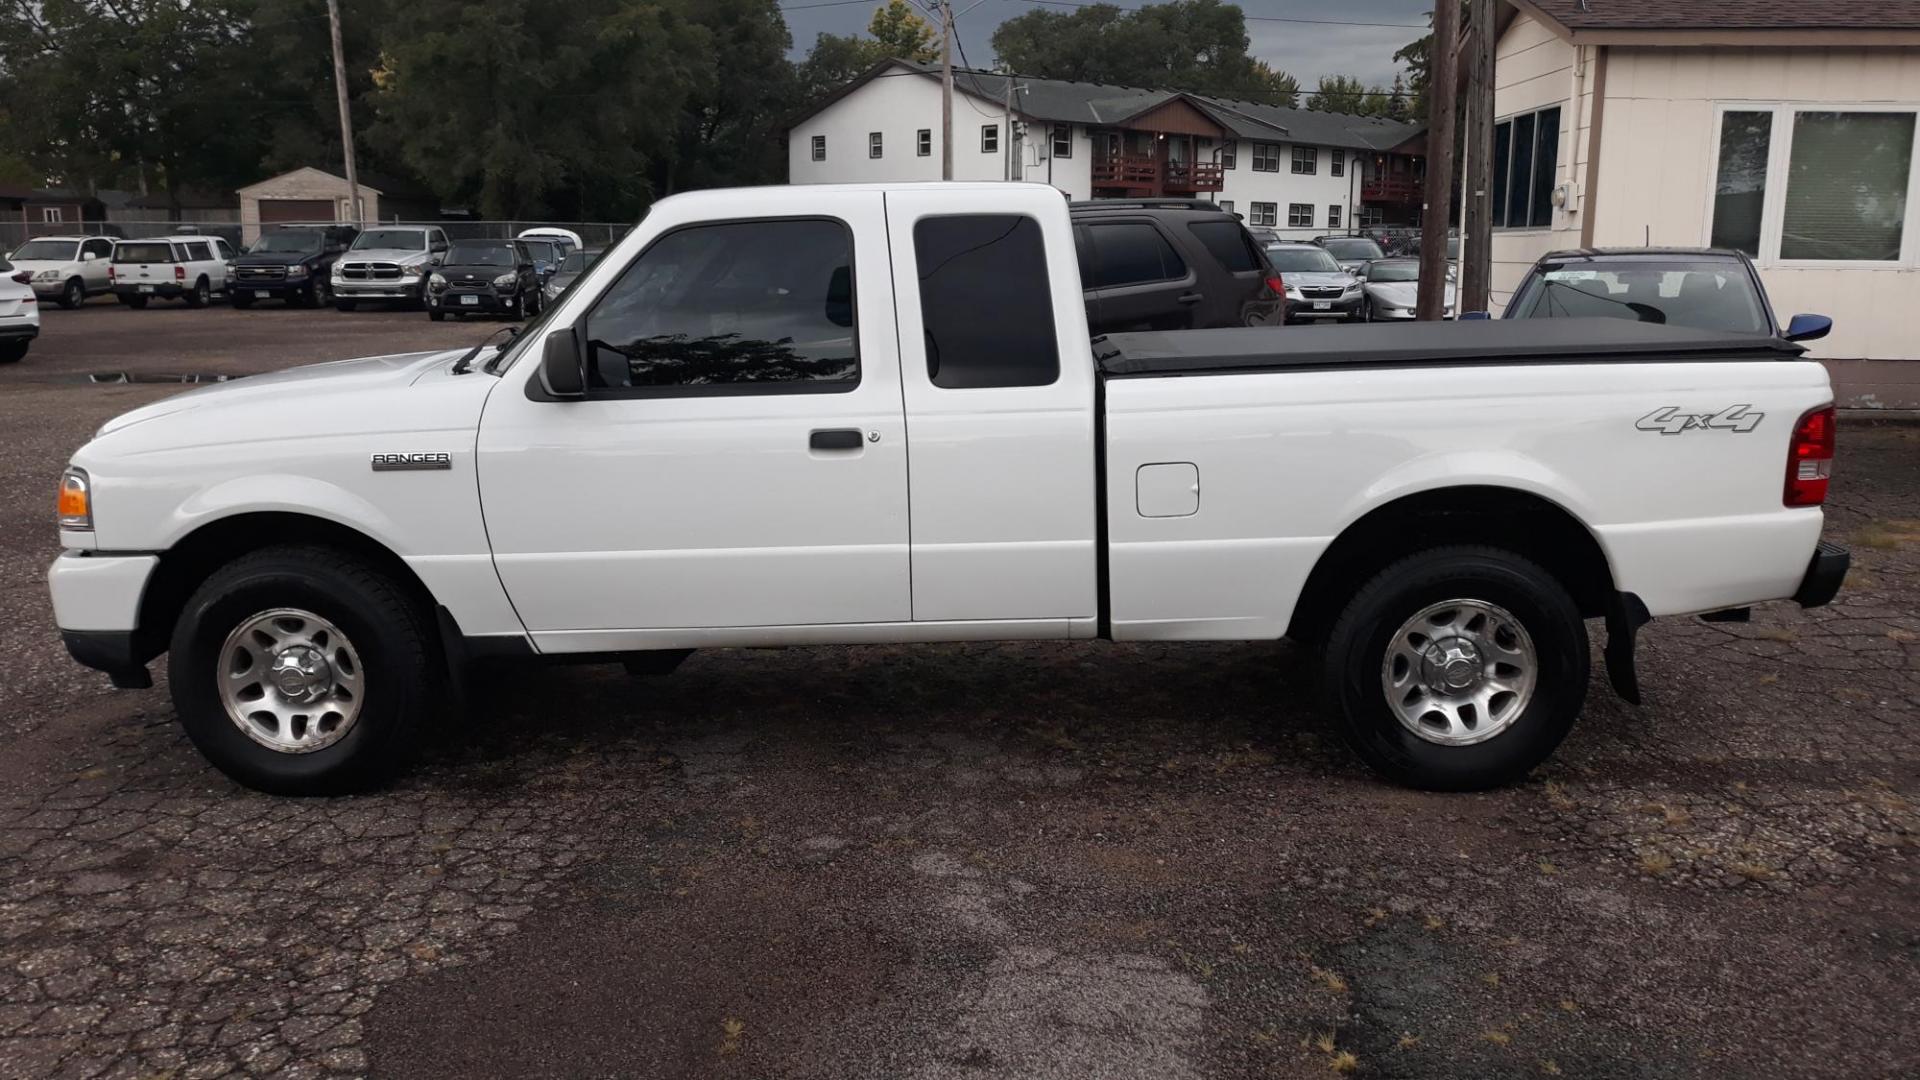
465 363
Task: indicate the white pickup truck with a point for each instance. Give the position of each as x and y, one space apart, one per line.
843 415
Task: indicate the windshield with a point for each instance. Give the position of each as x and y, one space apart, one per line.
1302 260
48 250
157 252
293 242
542 250
480 255
578 261
1352 247
1707 294
1394 270
391 240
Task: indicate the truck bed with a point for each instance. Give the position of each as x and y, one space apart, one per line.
1423 344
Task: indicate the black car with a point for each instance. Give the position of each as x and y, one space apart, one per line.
495 277
1174 264
1708 288
293 263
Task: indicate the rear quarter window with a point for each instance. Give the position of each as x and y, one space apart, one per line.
1228 242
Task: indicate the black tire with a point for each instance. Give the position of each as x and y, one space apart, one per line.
436 314
74 294
1357 649
343 305
241 301
392 634
136 302
12 352
319 294
518 312
200 295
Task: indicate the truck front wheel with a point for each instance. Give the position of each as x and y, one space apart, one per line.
1458 669
303 671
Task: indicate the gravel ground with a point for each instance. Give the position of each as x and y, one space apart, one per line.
983 861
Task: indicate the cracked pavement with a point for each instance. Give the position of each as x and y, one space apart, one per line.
992 861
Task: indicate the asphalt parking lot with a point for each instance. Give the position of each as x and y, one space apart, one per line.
983 861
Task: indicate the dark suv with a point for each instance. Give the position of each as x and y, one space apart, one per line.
1174 264
292 263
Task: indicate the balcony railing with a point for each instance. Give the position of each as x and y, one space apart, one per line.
1187 177
1393 189
1144 174
1126 170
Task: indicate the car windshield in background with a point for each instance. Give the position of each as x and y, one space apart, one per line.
1349 248
143 253
47 250
291 242
391 240
1394 270
1708 294
1302 260
542 251
578 261
480 255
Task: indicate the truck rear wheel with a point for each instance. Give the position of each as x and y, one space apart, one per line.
1458 669
200 295
303 671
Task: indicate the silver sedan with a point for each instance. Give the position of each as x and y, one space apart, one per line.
1392 289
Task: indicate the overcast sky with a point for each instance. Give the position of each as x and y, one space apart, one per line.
1315 45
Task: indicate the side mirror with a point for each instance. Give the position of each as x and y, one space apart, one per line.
1474 315
560 372
1808 328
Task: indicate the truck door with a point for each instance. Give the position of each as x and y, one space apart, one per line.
740 458
998 379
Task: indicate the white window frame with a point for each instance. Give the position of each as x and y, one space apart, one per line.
1268 217
923 143
1062 138
817 147
876 145
1312 162
1226 205
1773 211
52 215
1336 162
989 138
1333 215
1230 154
1273 159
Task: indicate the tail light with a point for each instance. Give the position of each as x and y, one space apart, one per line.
24 277
1278 286
109 274
179 273
1810 458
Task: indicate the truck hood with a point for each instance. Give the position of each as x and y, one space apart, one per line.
334 379
393 255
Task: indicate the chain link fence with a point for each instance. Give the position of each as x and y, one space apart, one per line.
593 234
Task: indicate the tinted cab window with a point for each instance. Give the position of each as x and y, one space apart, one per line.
974 264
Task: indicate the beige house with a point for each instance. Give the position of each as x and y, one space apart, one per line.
311 194
1785 128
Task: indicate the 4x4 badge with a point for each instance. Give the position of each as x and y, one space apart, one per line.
1671 421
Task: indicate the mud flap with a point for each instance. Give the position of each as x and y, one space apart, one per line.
1626 614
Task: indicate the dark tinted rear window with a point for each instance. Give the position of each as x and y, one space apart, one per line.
1228 242
984 301
143 253
1129 253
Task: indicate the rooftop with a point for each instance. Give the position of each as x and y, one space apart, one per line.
1729 14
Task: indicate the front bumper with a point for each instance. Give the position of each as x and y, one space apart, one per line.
489 302
1825 571
1335 309
96 604
393 289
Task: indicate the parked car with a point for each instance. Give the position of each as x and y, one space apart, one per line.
188 267
293 263
19 315
566 239
484 277
1351 251
547 256
1391 290
710 448
1171 265
388 263
1710 288
66 268
1317 288
575 264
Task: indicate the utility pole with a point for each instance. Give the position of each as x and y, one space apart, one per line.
1476 224
346 118
946 89
1442 93
1011 151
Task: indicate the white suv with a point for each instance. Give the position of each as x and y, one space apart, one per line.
19 315
177 267
66 268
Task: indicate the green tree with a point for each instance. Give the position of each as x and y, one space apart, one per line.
1280 88
1341 94
732 126
1397 105
1198 45
900 32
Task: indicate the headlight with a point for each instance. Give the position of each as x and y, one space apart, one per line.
505 281
338 274
296 270
76 501
1293 293
47 275
412 272
436 282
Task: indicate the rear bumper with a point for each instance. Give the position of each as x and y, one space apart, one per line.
1825 571
170 290
19 331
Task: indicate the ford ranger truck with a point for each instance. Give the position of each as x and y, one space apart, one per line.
844 415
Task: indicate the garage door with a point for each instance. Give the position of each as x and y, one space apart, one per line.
272 210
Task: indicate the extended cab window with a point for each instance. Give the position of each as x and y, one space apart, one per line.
1131 253
984 301
763 304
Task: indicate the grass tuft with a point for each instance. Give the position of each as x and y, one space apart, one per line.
1343 1062
1497 1037
1656 862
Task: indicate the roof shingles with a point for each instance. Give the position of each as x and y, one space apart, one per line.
1733 14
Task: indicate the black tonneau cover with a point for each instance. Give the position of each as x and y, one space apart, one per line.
1424 344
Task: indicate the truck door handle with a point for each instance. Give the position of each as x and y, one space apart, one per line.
1187 298
836 439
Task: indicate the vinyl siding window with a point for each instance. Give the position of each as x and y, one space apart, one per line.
1306 160
1266 157
1063 141
1337 162
819 148
1333 216
1815 184
1300 215
874 144
1226 205
1229 154
1526 162
923 142
1264 213
989 138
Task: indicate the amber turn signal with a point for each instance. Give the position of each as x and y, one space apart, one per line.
76 501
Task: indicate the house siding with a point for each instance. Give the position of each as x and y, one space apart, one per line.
305 183
1534 69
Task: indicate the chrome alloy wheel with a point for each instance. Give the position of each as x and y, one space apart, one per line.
291 680
1459 672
